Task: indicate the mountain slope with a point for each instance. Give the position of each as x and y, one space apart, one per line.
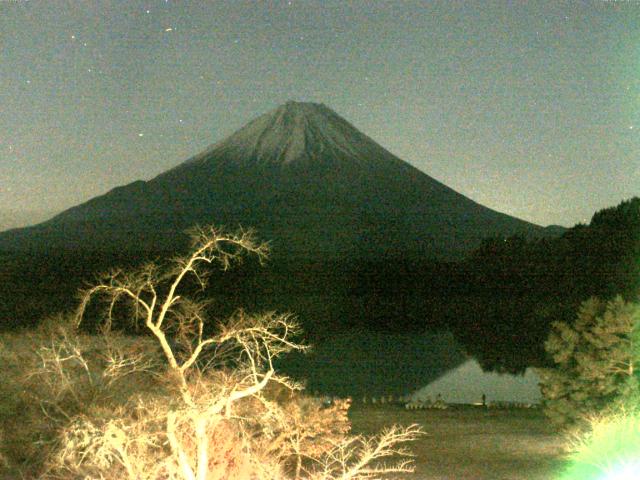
305 178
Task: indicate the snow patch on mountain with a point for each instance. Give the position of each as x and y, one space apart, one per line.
298 132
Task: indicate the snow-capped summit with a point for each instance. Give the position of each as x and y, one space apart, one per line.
305 178
297 132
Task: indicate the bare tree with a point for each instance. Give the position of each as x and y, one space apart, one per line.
358 457
156 298
213 420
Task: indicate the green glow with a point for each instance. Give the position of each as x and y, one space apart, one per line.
611 451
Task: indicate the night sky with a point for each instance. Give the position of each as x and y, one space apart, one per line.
530 108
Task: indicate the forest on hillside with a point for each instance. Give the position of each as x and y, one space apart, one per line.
522 286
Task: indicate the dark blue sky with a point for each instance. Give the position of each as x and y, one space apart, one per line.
530 108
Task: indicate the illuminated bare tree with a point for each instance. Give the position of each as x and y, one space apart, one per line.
156 298
211 416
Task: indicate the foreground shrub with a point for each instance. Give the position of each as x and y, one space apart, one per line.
54 375
609 450
181 403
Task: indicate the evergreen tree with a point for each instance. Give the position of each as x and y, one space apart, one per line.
596 361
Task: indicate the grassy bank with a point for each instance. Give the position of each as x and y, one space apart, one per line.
470 443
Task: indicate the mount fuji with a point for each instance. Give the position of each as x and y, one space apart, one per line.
303 177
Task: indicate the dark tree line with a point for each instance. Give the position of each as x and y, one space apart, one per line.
525 285
499 302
